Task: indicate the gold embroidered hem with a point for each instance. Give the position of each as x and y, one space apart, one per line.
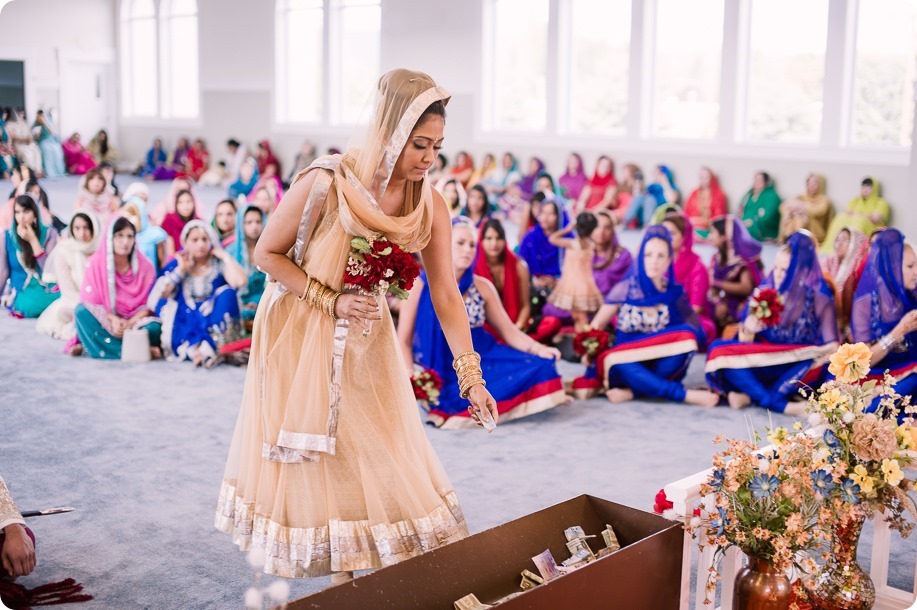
568 302
341 545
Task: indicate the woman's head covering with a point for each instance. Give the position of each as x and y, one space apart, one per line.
685 259
598 181
881 298
658 190
122 294
177 186
543 257
42 231
136 189
197 223
857 250
238 249
573 183
267 182
741 247
527 184
149 236
245 187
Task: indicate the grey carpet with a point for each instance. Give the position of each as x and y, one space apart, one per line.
140 450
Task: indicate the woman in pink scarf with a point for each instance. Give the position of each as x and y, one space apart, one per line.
113 298
167 205
690 271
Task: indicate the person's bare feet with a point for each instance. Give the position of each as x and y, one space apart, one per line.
76 350
795 408
155 353
197 358
617 395
702 398
738 400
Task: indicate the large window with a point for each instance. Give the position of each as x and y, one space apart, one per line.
519 65
180 83
599 65
886 72
315 88
786 70
686 68
139 65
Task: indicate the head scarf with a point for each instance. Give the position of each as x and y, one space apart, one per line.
881 299
238 249
263 182
527 184
245 187
197 223
149 236
501 176
124 294
840 270
75 252
741 249
543 257
509 296
136 189
213 221
175 188
601 182
173 224
44 233
572 184
657 190
686 260
269 159
809 316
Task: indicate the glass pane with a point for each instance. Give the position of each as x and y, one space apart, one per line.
184 88
886 69
303 57
786 70
300 4
182 7
520 43
599 66
359 47
689 49
143 67
138 8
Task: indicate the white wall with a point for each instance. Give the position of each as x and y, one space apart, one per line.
440 37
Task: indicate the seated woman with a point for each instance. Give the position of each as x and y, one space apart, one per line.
267 193
509 274
101 149
175 222
885 311
196 297
690 271
599 191
843 269
521 373
246 181
155 158
657 332
23 254
113 298
224 221
175 166
706 202
52 155
811 211
96 196
610 263
542 257
765 365
66 267
454 194
198 160
249 226
23 142
77 159
642 206
624 190
483 171
477 209
167 205
760 208
462 169
512 203
268 164
663 188
500 179
865 213
574 180
152 241
735 269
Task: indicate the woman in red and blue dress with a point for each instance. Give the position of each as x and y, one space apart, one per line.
767 365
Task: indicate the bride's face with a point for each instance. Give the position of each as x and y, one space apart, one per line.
421 149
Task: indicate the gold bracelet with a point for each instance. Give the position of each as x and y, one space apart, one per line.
464 358
320 297
305 290
334 305
465 390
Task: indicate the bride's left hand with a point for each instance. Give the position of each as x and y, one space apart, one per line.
481 399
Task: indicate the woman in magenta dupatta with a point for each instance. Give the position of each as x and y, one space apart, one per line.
735 270
114 294
574 179
690 271
77 159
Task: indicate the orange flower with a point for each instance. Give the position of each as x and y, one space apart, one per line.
850 363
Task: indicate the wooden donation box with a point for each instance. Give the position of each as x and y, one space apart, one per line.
645 573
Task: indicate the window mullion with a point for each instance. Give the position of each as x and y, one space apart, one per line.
734 71
638 71
552 68
840 59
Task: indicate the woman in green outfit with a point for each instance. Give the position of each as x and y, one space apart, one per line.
761 209
114 295
24 249
867 213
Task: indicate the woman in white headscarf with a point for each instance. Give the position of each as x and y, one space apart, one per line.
330 470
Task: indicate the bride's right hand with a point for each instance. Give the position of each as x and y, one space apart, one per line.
357 308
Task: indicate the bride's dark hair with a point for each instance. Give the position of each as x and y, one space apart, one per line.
437 108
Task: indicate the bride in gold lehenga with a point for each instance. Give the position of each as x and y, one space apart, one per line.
329 468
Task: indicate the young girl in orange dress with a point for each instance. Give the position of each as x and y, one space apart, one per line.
576 291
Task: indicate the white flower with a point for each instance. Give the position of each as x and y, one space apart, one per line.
253 599
257 557
815 419
279 590
848 417
764 465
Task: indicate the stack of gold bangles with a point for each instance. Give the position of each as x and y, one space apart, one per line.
468 368
320 297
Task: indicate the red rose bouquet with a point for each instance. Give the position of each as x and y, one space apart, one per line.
590 342
427 386
766 305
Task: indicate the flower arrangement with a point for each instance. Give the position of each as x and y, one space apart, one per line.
861 455
766 305
377 266
590 342
763 503
427 386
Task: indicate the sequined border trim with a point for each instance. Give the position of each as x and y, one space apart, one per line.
340 545
313 209
285 455
300 441
405 126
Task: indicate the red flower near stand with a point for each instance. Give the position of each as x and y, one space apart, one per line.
590 342
427 386
378 266
766 305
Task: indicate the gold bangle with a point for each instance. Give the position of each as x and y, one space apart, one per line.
464 358
467 389
334 305
305 290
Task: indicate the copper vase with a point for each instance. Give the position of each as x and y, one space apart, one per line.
760 586
842 584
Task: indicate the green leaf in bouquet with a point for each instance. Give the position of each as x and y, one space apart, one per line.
385 252
398 291
869 386
359 244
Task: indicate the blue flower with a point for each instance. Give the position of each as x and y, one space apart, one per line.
831 439
763 485
717 478
850 491
822 482
719 523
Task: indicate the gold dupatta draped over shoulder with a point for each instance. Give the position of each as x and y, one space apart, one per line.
343 202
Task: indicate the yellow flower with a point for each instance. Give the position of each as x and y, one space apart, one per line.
892 472
908 436
861 477
832 398
777 436
850 363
